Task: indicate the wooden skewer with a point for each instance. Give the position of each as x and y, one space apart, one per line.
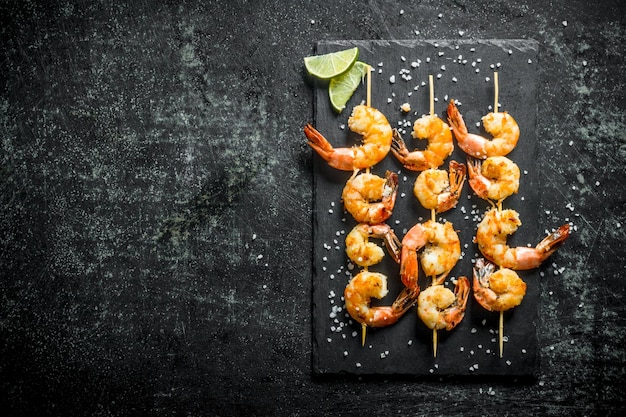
369 86
500 331
368 102
363 333
495 94
432 94
435 338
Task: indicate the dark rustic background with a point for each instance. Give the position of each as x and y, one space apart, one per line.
156 206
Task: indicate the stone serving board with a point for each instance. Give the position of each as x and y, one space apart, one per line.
462 70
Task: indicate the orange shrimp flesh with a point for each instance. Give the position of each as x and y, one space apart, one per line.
439 308
376 141
440 144
491 239
498 290
495 178
370 198
367 285
500 125
439 190
365 253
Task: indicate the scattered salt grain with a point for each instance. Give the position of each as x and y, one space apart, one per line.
392 79
564 23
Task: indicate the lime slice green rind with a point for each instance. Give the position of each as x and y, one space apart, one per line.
333 64
341 88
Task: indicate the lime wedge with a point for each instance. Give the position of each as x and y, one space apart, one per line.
342 87
332 64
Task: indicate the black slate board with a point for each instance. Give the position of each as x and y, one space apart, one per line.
460 69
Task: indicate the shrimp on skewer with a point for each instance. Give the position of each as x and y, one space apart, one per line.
370 198
365 253
440 144
439 190
500 125
491 239
367 285
440 308
495 178
441 251
498 290
376 132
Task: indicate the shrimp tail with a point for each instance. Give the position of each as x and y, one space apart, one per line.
405 300
482 271
398 147
390 192
482 294
554 241
342 158
477 181
457 179
455 314
408 268
393 245
456 120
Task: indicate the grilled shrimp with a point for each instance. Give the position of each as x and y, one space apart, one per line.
439 190
365 253
500 125
441 249
491 239
440 144
495 178
440 308
367 285
376 132
498 290
370 198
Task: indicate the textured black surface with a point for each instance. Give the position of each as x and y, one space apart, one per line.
156 202
464 71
